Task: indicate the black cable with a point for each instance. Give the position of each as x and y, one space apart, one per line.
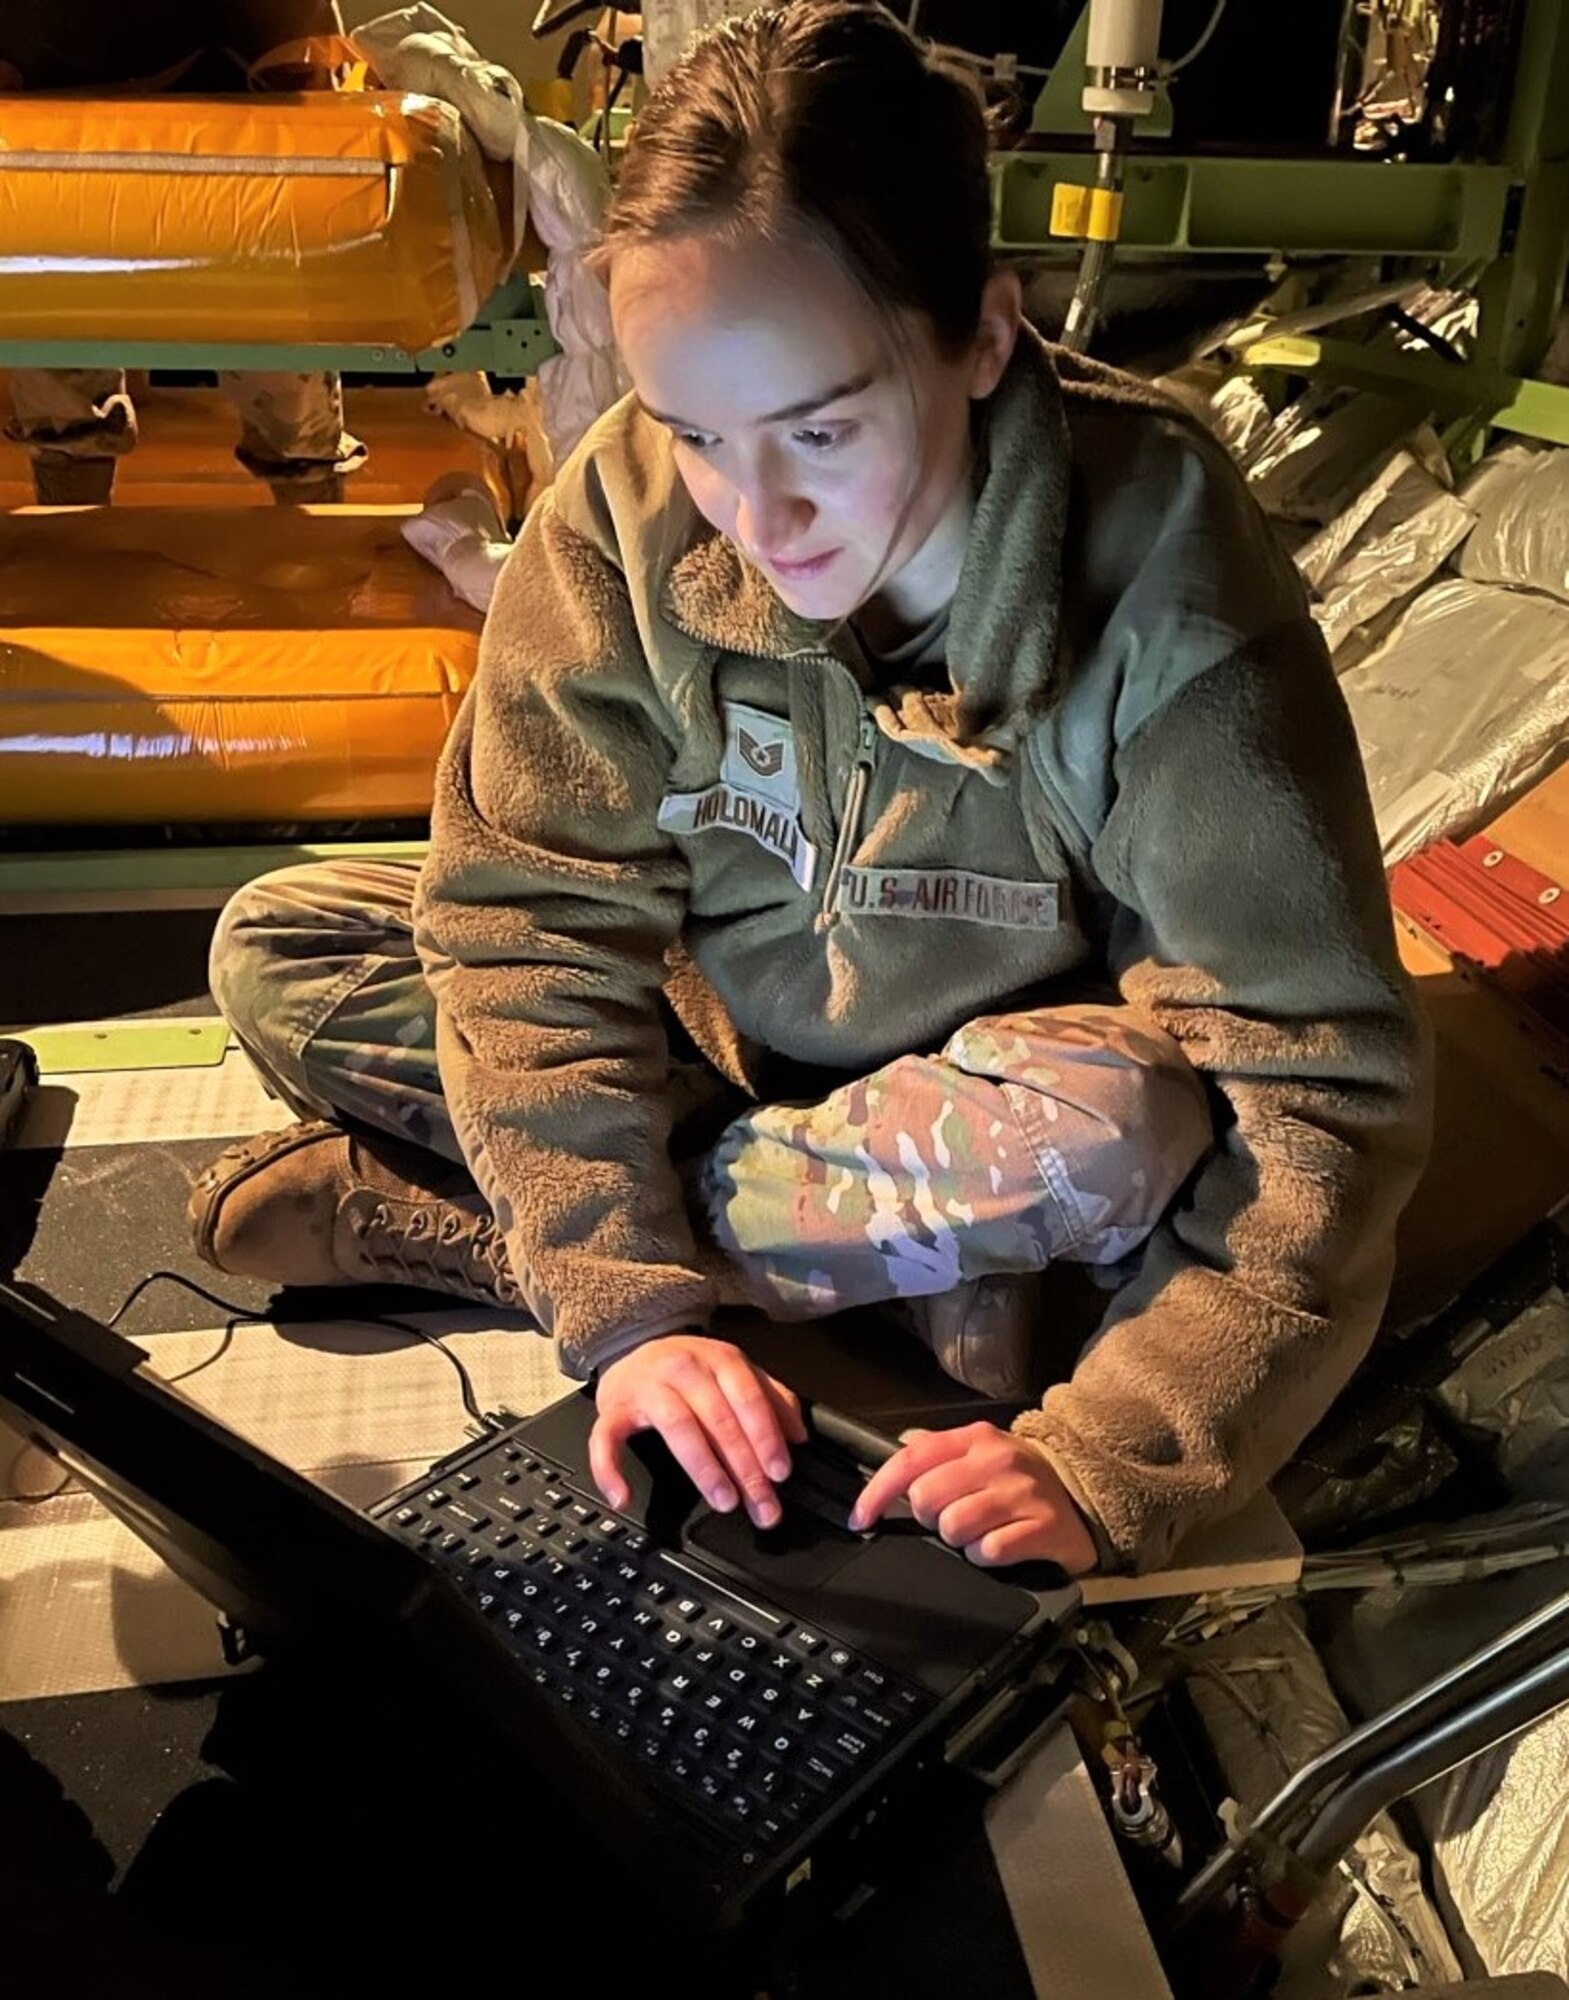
470 1400
175 1278
243 1315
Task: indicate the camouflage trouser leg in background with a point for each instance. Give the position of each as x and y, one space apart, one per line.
291 431
1061 1133
291 425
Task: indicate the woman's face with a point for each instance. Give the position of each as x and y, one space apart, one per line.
833 454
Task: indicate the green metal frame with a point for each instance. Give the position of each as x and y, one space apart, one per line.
194 878
1502 226
511 337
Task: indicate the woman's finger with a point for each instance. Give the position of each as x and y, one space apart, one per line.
747 1394
713 1409
892 1481
673 1416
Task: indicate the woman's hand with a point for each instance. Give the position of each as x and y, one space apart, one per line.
725 1420
995 1496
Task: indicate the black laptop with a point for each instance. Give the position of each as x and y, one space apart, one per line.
732 1712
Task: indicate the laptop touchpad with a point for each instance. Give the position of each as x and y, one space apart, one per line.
800 1554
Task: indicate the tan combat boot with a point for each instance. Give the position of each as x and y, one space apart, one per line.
314 1205
985 1333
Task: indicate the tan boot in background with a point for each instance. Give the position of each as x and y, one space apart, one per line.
985 1333
314 1205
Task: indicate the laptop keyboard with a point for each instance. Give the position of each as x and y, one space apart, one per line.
756 1721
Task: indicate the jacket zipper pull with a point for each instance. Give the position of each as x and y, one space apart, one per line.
850 820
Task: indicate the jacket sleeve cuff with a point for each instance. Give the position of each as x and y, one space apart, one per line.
1108 1558
583 1363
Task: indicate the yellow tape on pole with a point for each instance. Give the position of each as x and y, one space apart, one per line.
1105 216
1070 209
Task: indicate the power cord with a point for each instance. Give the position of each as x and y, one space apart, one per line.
243 1315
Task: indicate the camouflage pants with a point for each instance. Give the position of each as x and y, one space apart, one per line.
291 426
1060 1133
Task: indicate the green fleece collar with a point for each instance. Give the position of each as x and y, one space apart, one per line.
1002 638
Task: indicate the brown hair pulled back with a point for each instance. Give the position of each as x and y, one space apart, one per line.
825 119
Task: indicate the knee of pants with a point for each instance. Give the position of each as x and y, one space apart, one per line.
1115 1115
245 961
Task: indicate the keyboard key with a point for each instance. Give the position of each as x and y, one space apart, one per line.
622 1729
430 1530
782 1664
476 1556
688 1608
784 1743
681 1767
717 1627
735 1759
615 1604
704 1657
581 1511
451 1542
467 1481
740 1806
575 1657
555 1568
406 1516
651 1663
802 1715
512 1507
673 1639
739 1677
711 1785
575 1542
715 1703
841 1659
702 1736
546 1527
771 1695
608 1527
849 1744
750 1723
768 1780
638 1694
438 1496
511 1476
590 1625
605 1677
656 1589
806 1642
814 1682
511 1452
628 1572
585 1584
681 1684
749 1644
651 1748
555 1498
666 1716
873 1678
488 1601
468 1516
502 1538
541 1637
818 1772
